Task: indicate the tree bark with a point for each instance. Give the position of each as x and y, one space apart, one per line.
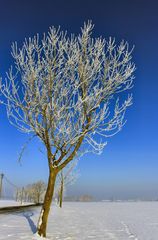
42 223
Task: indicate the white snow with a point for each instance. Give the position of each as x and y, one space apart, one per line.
83 221
9 203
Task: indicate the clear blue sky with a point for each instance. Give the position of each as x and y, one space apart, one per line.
129 164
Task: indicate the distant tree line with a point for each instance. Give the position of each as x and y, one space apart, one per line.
32 193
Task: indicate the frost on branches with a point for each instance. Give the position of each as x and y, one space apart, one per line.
65 84
64 90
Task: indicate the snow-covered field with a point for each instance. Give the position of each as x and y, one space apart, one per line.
83 221
9 203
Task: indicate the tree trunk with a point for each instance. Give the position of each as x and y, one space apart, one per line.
61 195
42 223
38 198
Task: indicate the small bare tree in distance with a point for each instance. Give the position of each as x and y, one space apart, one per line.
67 176
63 89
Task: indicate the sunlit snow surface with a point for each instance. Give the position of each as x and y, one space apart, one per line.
84 221
9 203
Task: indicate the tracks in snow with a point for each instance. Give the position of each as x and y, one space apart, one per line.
130 234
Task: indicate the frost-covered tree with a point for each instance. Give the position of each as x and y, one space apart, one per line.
31 193
67 176
64 89
35 192
39 189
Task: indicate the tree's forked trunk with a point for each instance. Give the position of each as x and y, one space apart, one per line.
42 222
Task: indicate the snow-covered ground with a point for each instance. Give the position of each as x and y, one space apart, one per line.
83 221
9 203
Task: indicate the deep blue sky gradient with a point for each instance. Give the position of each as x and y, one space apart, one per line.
129 164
